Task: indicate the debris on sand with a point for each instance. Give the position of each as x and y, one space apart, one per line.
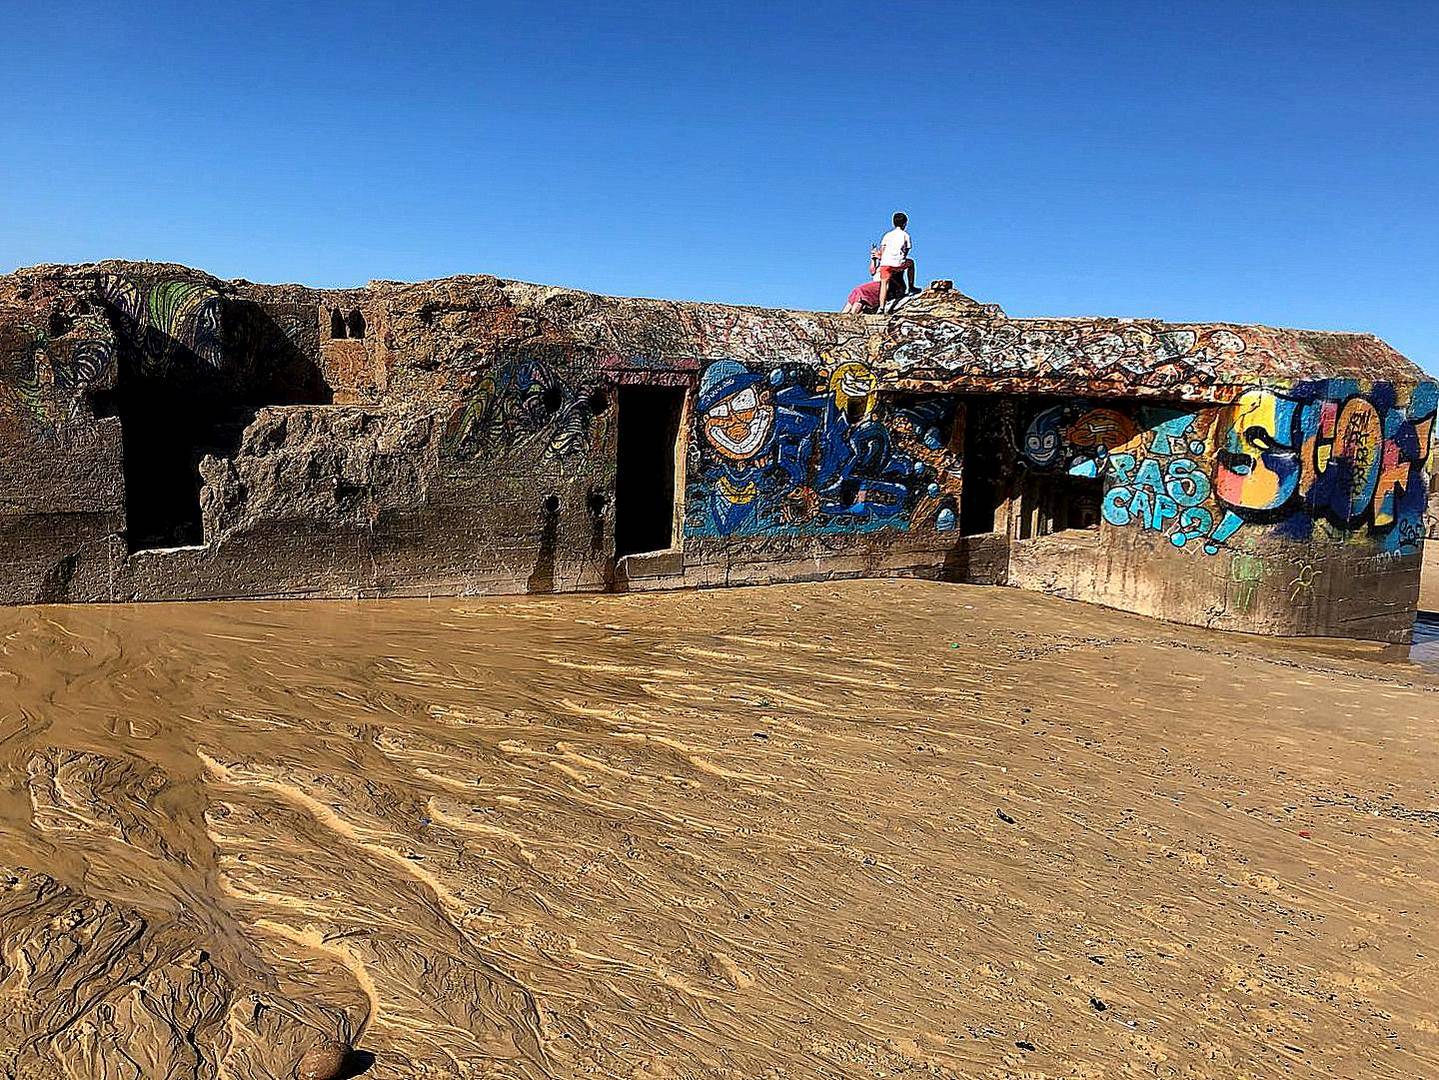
324 1061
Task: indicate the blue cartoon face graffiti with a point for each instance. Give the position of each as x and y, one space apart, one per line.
736 411
1042 442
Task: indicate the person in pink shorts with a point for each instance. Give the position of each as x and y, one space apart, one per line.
863 299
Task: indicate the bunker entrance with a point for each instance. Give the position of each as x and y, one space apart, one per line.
985 467
649 458
165 433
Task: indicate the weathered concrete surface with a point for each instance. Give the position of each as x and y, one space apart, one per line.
167 435
1429 580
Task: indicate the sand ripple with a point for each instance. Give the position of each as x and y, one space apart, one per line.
838 830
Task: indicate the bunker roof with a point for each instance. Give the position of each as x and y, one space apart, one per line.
942 341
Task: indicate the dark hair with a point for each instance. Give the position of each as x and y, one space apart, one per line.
900 220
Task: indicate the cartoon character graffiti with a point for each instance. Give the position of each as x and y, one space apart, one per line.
776 456
1334 453
1076 436
1044 440
737 417
736 411
1257 460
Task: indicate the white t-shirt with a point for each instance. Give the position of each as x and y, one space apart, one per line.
894 248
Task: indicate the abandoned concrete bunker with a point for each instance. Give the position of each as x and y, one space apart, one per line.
166 435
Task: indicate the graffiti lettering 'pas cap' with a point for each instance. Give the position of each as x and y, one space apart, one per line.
722 379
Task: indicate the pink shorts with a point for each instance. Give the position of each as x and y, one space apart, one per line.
866 294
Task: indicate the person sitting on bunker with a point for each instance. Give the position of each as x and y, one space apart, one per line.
868 297
864 298
894 261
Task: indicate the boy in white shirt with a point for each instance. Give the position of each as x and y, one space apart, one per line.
893 255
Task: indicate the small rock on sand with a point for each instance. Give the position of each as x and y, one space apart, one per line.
323 1061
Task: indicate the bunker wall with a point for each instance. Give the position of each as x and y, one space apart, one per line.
167 436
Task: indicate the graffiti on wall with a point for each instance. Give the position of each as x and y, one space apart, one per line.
1159 483
1075 434
173 319
811 452
523 400
1128 353
47 378
1331 459
1151 460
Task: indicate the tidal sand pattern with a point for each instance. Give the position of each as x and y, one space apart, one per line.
859 829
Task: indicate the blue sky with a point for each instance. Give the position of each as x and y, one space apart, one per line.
1255 162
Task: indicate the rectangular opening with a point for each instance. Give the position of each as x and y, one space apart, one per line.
645 482
984 466
1051 504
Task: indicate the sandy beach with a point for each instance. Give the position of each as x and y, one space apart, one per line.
856 829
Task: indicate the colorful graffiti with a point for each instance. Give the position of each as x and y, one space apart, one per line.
804 452
176 319
1159 482
1069 434
48 378
1332 460
521 400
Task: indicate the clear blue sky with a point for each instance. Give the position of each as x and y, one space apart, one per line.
1264 162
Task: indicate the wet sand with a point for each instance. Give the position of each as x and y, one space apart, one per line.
835 830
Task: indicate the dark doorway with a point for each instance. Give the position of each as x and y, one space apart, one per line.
649 428
165 432
984 467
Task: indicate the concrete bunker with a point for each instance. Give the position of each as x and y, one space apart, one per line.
473 435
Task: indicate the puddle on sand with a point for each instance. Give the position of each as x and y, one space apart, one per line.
1425 650
834 830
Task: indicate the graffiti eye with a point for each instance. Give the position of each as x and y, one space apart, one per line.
1238 464
744 400
719 412
1261 438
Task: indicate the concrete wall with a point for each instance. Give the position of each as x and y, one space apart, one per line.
465 439
1294 511
62 495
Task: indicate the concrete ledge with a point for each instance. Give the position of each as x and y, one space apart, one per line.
651 564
